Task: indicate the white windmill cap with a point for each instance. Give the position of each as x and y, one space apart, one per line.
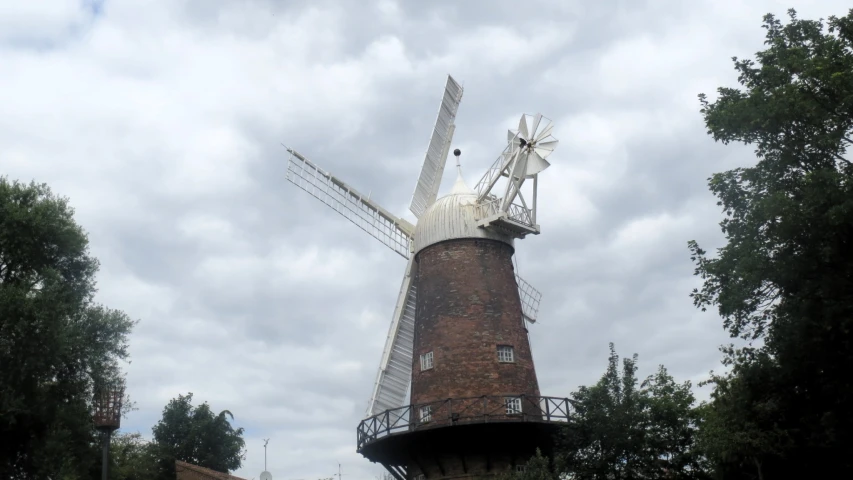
453 216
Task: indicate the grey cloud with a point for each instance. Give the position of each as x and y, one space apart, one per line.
163 123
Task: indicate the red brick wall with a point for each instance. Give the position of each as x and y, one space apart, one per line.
467 305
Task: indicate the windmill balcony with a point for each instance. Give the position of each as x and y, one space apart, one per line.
380 435
517 220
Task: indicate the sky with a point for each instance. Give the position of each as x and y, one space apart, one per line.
162 122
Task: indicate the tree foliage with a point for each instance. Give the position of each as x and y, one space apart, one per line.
185 432
623 428
132 458
785 275
194 434
538 467
55 342
740 431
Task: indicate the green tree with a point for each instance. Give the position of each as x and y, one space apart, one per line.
672 426
55 342
606 430
620 429
537 467
195 435
132 458
740 431
785 275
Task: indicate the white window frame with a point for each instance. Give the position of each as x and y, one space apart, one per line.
506 354
427 361
425 413
420 476
513 405
521 468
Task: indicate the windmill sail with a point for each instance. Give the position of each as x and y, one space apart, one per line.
395 368
394 232
436 154
530 298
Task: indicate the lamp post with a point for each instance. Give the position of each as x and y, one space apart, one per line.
107 418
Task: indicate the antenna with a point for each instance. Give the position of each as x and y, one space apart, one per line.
266 441
265 475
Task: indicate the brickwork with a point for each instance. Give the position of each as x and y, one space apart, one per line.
468 305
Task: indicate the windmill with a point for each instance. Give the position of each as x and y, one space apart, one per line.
500 208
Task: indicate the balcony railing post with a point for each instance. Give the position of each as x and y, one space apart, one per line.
387 422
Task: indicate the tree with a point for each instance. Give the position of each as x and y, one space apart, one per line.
195 435
132 458
537 467
785 276
55 342
620 429
740 431
606 430
672 427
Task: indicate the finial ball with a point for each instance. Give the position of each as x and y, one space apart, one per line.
457 152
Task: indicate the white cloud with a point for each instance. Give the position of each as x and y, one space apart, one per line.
161 120
40 24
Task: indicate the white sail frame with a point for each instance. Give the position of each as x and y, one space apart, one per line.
395 368
429 181
396 233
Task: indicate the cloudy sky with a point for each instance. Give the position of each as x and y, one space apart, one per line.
162 121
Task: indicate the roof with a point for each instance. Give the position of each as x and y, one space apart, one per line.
188 471
453 216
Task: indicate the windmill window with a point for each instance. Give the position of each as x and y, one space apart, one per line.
426 361
521 468
420 476
426 414
506 354
513 405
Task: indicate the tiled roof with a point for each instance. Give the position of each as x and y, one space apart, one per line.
188 471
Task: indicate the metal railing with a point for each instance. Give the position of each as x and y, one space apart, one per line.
491 205
460 411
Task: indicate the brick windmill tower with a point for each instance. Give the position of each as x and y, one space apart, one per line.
456 395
